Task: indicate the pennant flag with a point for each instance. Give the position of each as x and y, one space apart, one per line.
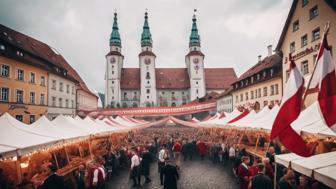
289 111
324 79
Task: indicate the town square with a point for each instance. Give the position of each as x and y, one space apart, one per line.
154 94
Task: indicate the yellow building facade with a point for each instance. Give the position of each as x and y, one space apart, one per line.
302 34
23 90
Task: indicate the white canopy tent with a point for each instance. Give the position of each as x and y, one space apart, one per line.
124 122
321 167
7 151
12 135
46 127
311 121
63 123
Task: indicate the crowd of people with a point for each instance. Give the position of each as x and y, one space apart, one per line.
168 147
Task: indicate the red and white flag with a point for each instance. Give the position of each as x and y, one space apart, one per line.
289 111
324 79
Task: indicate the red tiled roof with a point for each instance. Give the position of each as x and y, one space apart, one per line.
268 62
178 78
219 78
130 78
42 51
172 78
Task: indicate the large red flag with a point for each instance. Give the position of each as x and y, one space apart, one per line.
289 111
324 79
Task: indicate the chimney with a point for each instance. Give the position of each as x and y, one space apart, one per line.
270 50
259 58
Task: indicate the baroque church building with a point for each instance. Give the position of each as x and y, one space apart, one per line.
151 86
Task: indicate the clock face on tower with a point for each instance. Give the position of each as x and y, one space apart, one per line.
112 60
195 60
147 61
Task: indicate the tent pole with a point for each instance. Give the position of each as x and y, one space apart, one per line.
56 161
18 168
66 154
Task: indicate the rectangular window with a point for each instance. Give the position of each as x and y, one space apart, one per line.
42 80
4 94
73 90
304 67
19 96
236 98
304 40
256 93
72 104
295 25
313 12
148 91
276 88
68 89
316 34
60 102
292 47
31 119
32 77
241 97
272 90
42 99
259 93
53 101
53 85
246 96
252 95
19 117
20 75
66 103
61 87
304 2
5 71
32 98
265 91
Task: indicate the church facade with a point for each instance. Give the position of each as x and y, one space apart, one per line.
148 85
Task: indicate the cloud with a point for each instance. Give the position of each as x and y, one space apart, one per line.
233 32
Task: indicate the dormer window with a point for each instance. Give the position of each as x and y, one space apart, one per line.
271 72
258 76
19 53
252 79
264 74
2 47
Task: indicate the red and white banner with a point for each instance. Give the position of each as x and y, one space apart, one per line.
156 111
289 111
324 79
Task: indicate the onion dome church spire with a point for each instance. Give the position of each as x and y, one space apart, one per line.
115 36
194 39
146 36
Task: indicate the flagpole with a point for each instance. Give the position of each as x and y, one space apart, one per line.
326 31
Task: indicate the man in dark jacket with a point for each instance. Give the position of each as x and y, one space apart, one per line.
261 181
169 175
145 164
54 181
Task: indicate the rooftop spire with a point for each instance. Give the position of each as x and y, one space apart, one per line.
115 36
194 39
146 37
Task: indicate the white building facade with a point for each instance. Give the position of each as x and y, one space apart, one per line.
151 86
61 96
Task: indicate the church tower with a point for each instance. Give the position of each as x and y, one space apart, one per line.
195 63
114 64
147 68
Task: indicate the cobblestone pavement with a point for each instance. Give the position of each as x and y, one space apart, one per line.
194 174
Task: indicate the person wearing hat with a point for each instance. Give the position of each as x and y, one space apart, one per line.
169 175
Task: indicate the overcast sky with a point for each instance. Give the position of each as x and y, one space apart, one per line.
233 32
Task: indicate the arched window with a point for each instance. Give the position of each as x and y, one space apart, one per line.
173 104
135 105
